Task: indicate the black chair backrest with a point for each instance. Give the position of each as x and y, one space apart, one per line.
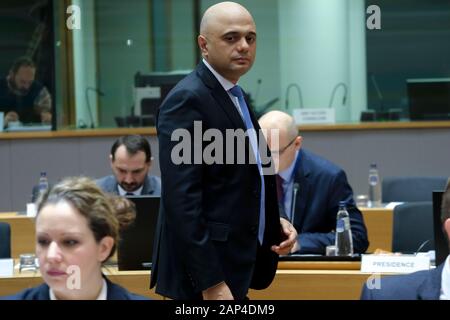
413 226
411 189
5 240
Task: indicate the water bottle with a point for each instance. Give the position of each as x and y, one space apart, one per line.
374 187
344 240
43 182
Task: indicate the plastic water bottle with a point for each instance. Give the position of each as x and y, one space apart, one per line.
374 187
43 182
344 240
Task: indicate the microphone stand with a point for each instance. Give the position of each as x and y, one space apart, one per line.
100 93
294 198
344 99
300 98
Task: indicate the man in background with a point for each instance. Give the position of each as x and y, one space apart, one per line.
22 98
315 186
131 160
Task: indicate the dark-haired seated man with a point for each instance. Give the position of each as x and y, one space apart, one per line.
22 98
131 159
431 284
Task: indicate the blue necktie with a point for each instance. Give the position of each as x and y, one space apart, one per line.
237 92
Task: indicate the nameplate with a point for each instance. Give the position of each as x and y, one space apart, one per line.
149 92
314 116
407 263
6 267
31 210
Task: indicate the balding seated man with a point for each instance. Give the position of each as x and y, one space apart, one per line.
320 186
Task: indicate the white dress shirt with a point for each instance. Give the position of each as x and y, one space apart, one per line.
227 85
445 281
136 192
102 295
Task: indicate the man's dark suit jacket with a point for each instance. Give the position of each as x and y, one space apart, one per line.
209 214
322 185
421 285
152 185
41 292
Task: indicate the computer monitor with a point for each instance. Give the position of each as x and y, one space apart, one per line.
440 241
135 248
429 99
150 91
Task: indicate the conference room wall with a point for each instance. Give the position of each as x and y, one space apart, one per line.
21 162
399 152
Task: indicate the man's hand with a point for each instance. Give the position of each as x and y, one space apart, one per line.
218 292
11 116
46 117
290 233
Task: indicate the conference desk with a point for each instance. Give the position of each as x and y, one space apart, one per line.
293 281
378 221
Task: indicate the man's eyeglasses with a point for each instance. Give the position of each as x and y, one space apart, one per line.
280 151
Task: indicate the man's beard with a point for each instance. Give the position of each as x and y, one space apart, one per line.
16 90
130 187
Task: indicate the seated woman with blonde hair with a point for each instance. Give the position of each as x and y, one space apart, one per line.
77 229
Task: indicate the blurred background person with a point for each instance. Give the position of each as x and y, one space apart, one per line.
22 98
131 160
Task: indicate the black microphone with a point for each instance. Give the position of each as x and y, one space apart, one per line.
344 98
421 246
294 198
258 86
378 91
299 91
100 93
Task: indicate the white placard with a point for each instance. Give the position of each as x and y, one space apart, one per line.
31 210
392 205
407 263
2 118
314 116
6 267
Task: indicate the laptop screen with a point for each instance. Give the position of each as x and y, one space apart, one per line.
440 241
135 247
429 99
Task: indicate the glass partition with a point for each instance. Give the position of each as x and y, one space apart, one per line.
346 56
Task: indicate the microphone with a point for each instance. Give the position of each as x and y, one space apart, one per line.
294 198
100 93
258 86
378 91
421 246
300 98
344 98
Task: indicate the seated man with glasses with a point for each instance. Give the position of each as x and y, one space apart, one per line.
317 184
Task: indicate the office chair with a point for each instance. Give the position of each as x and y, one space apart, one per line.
411 189
5 240
413 227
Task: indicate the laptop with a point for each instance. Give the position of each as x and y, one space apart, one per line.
440 242
135 248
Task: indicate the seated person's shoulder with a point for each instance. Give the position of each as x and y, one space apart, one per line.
396 287
116 292
40 292
322 165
